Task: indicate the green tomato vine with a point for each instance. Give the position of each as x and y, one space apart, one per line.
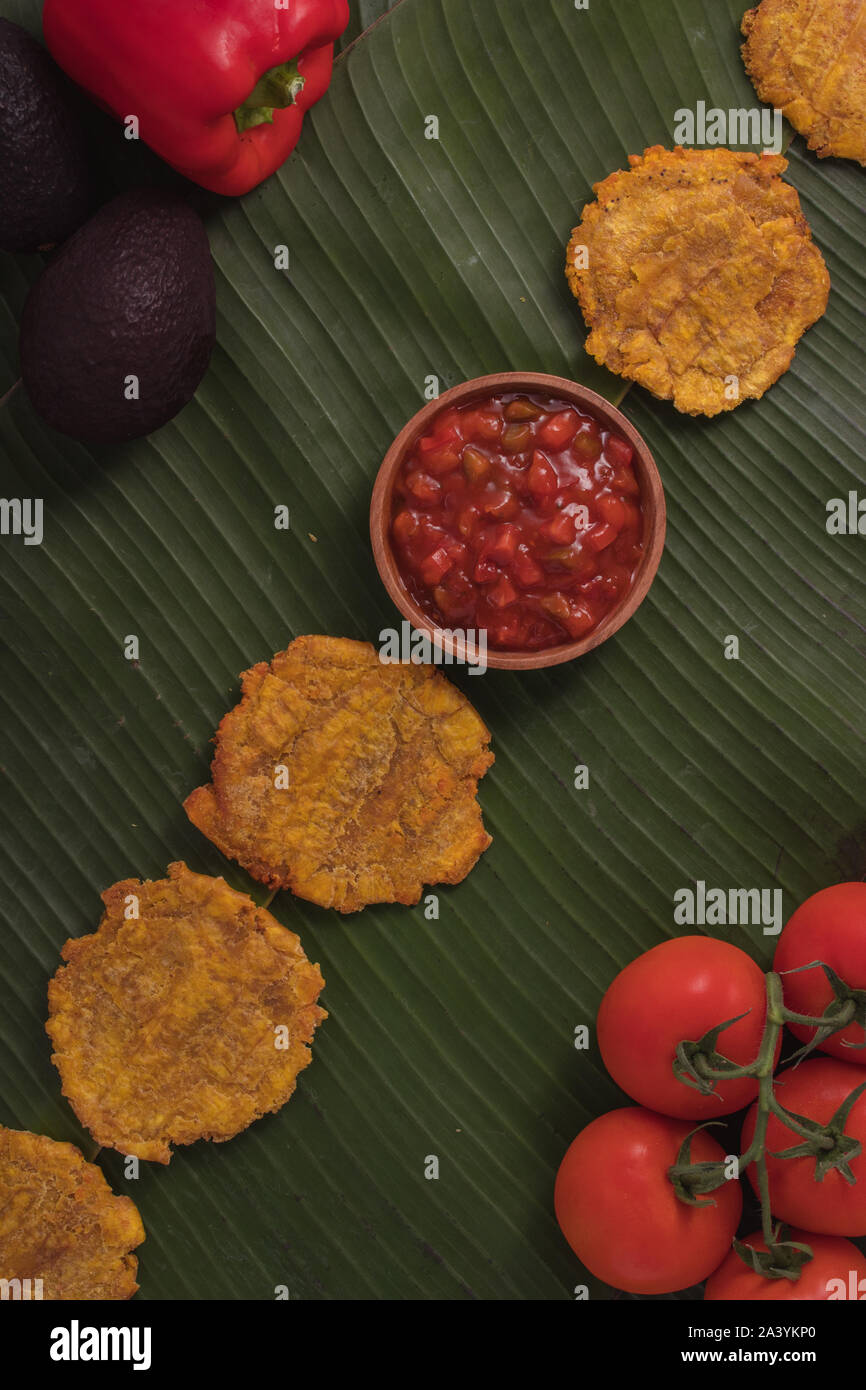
701 1066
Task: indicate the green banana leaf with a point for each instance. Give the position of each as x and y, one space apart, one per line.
412 257
363 15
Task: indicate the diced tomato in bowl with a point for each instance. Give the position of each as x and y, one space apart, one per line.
525 513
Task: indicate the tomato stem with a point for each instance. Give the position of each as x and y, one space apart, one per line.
763 1070
839 1020
791 1122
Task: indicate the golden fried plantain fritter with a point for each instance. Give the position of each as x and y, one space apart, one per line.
345 779
186 1021
61 1223
808 58
697 275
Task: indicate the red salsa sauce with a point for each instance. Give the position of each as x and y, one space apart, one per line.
519 514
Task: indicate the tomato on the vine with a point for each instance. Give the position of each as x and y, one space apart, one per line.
831 927
618 1210
837 1270
815 1090
678 992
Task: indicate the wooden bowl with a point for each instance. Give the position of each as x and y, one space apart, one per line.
557 387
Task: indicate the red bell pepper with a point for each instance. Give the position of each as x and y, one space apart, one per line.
220 87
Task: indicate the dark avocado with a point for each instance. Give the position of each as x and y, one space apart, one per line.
118 330
46 189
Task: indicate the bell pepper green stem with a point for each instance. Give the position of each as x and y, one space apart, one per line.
277 89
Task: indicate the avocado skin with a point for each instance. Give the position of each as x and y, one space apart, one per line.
46 190
130 294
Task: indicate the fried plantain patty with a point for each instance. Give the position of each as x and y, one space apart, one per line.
186 1021
701 275
808 58
61 1223
347 780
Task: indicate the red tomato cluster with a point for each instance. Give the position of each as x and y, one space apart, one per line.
614 1199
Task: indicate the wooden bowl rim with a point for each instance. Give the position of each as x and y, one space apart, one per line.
652 503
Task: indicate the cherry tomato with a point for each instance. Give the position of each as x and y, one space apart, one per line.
815 1089
830 926
620 1214
837 1270
677 992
